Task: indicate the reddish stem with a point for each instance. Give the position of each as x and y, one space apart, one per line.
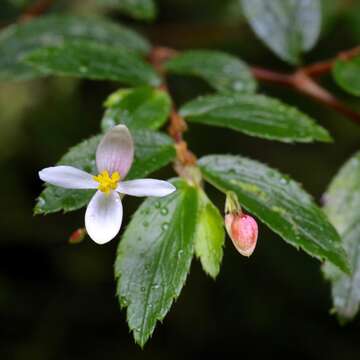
272 76
36 9
301 80
177 125
323 67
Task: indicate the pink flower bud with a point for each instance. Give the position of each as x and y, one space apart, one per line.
243 231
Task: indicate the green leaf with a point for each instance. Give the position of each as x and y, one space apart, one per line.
342 206
137 108
222 71
91 60
138 9
347 75
279 202
287 27
54 198
255 115
154 258
19 40
152 151
210 235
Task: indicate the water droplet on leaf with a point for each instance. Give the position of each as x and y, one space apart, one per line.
238 85
41 202
123 301
164 211
165 226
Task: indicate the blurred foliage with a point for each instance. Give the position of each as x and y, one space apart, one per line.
57 301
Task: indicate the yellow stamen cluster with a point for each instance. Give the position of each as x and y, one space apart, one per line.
107 182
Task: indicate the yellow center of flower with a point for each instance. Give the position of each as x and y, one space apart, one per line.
107 182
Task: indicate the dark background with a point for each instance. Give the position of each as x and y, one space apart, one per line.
57 301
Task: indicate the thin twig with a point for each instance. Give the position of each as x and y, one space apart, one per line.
272 76
177 125
300 80
323 67
36 9
305 84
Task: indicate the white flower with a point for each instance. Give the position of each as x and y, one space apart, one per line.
114 157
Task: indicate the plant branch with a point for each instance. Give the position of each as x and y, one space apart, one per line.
36 9
323 67
300 80
177 125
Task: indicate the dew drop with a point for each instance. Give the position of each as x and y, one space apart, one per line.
83 69
123 301
157 204
165 226
164 211
142 288
41 202
238 85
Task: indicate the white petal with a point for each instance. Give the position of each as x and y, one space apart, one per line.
115 151
103 216
68 177
145 187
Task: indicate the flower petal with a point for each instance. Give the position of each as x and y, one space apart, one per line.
115 151
68 177
103 216
146 187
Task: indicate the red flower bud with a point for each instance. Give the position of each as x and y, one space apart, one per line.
77 236
243 231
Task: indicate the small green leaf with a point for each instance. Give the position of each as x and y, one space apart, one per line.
138 9
255 115
342 206
210 235
277 201
19 40
154 258
287 27
91 60
152 151
222 71
137 108
347 75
